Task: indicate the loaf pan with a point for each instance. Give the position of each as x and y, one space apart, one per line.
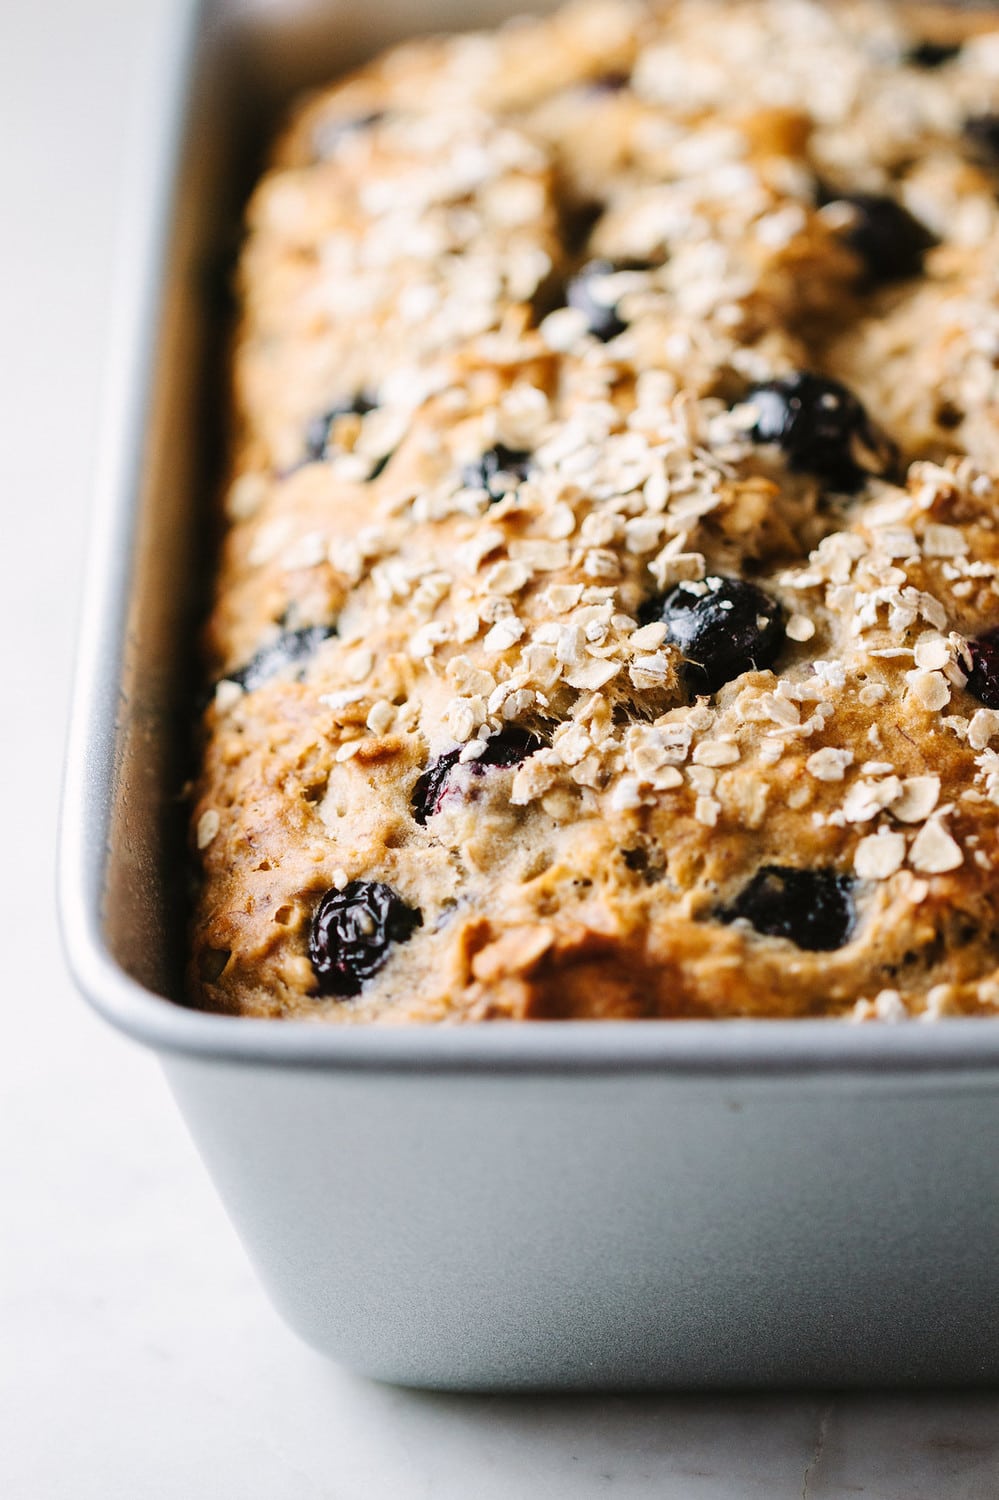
561 1206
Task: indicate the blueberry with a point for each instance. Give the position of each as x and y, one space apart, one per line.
497 470
983 679
291 648
584 293
982 134
431 786
722 626
352 932
929 54
329 134
318 435
822 428
602 319
508 748
890 242
812 908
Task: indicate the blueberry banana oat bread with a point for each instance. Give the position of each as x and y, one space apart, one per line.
607 622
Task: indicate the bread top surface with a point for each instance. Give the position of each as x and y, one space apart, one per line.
541 332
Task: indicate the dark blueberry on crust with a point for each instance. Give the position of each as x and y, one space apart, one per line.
318 434
329 134
290 648
982 134
508 748
888 239
497 470
822 428
352 932
929 54
983 679
812 908
428 793
583 293
722 628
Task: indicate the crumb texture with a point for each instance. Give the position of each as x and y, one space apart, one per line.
607 621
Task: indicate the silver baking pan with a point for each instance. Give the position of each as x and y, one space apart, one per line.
509 1206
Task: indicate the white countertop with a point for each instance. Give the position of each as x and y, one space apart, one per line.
138 1358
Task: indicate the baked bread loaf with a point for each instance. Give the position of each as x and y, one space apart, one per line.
607 622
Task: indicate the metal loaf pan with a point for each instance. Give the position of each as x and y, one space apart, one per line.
548 1206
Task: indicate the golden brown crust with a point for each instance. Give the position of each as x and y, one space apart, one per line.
407 257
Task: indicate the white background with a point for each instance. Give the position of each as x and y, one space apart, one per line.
138 1359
